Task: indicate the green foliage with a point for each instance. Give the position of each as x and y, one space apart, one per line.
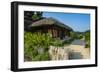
87 39
34 41
35 17
56 42
87 36
74 35
38 39
77 35
80 36
42 57
28 46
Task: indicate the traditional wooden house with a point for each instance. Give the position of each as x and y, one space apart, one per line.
52 26
45 25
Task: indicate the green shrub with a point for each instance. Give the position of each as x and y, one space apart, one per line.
74 35
87 39
42 57
35 17
56 42
33 42
45 56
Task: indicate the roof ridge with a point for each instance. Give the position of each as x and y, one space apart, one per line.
49 21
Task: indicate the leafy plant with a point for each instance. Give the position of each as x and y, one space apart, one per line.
33 42
35 17
56 42
87 39
42 57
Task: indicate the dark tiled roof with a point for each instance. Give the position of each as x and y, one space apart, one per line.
50 21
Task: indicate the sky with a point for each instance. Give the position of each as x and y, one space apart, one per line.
78 22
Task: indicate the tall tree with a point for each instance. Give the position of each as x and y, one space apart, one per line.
30 17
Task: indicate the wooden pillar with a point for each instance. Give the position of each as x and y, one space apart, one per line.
50 32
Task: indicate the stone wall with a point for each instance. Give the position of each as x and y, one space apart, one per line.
69 52
58 53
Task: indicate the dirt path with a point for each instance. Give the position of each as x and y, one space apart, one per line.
78 46
79 49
